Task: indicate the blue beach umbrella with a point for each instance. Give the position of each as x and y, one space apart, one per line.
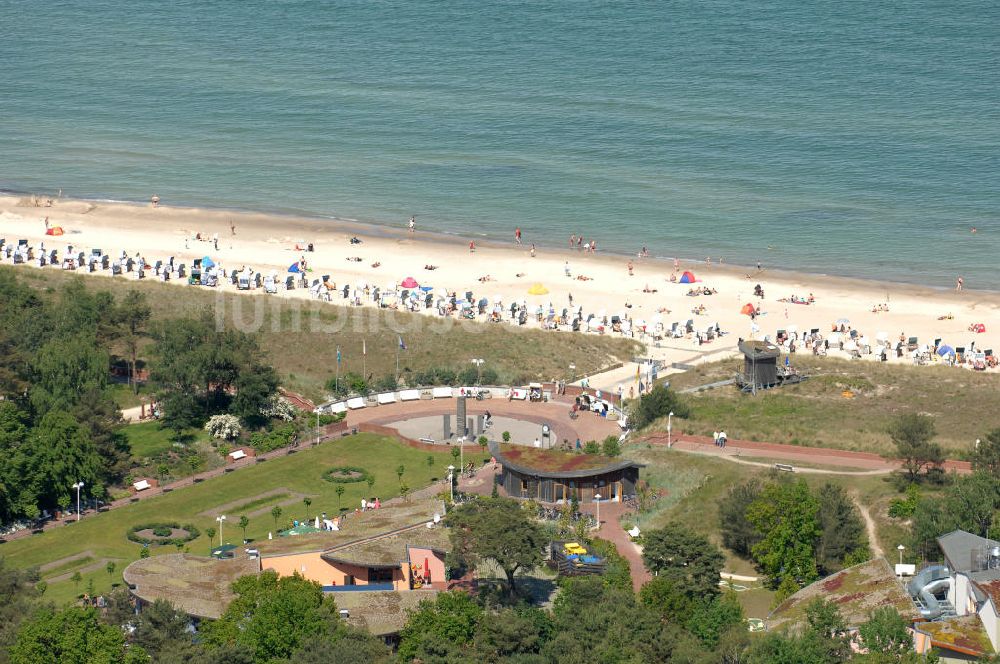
945 349
294 267
207 262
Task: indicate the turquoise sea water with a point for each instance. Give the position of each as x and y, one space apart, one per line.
850 138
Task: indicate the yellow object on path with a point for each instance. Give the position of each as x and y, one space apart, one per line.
538 289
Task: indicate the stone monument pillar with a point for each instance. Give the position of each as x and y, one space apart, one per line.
460 422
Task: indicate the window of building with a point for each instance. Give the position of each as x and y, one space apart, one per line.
381 575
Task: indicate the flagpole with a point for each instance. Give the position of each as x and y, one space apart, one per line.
364 359
338 369
397 364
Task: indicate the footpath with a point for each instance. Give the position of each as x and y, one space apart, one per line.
865 462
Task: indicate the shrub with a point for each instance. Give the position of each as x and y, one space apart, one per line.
611 446
506 436
349 383
162 540
224 427
591 447
277 408
280 436
658 403
346 475
903 508
327 418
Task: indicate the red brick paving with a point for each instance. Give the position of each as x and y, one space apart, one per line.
792 453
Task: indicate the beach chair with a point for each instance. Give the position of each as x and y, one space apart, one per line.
104 262
289 283
911 344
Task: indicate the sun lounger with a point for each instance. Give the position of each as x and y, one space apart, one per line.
386 398
441 392
356 403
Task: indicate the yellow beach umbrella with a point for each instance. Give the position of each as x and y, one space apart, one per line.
538 289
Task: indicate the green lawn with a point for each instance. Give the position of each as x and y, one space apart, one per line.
104 535
125 397
147 439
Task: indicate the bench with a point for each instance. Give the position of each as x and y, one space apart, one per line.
784 467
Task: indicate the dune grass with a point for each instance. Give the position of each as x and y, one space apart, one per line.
301 336
104 534
816 413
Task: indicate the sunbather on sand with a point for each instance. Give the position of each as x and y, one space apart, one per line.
430 267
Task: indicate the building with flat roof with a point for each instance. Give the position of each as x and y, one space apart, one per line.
401 548
197 585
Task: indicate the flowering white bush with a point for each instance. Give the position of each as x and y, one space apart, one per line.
278 408
226 427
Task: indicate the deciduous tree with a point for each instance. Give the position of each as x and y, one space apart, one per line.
786 516
688 559
439 626
73 635
273 616
496 529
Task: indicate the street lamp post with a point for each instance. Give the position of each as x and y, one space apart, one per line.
78 486
670 418
479 366
451 482
221 519
597 499
901 549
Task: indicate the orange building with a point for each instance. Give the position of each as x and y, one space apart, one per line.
393 548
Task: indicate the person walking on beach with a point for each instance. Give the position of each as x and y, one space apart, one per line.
232 227
215 241
959 283
532 249
579 243
631 271
472 247
572 240
46 223
155 200
517 235
413 224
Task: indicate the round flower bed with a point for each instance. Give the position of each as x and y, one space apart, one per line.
346 475
162 533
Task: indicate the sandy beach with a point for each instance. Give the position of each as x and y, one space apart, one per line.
268 243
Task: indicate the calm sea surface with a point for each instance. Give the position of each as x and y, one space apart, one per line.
857 138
